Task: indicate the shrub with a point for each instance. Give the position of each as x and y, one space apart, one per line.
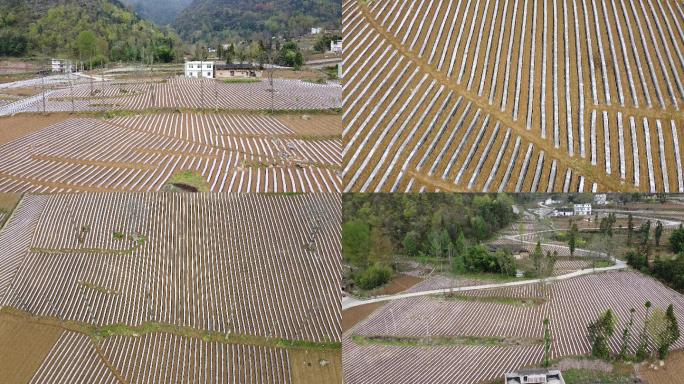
374 276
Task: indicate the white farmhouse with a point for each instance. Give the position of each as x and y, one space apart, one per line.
582 209
62 66
336 46
601 199
316 30
197 69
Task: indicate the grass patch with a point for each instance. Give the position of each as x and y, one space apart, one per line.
191 179
331 72
493 277
522 302
440 341
603 264
242 81
138 239
586 376
98 288
315 81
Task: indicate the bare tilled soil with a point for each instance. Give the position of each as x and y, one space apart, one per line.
208 151
15 127
353 316
596 86
24 347
234 309
670 373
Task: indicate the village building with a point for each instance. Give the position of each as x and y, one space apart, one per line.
62 66
600 199
316 30
336 46
561 212
196 69
228 71
535 376
582 209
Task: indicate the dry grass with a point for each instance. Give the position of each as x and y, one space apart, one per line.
316 366
25 344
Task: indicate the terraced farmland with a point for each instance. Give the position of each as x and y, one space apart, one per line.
230 153
177 287
182 93
513 95
508 322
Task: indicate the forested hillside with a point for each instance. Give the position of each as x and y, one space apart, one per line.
99 29
437 226
162 12
214 21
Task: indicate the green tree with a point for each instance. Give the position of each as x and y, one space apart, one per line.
645 231
537 256
658 232
677 240
323 42
291 56
86 45
572 239
480 229
411 243
547 343
381 248
356 243
375 276
229 54
600 331
630 228
626 335
642 347
672 326
550 263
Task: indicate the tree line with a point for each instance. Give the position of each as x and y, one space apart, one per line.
660 330
669 270
442 228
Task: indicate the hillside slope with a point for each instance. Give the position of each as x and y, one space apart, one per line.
52 27
162 12
223 20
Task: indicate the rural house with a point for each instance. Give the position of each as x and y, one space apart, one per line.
228 71
535 376
199 69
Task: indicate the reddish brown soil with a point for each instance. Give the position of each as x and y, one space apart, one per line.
353 316
12 128
399 284
671 373
26 91
313 125
24 347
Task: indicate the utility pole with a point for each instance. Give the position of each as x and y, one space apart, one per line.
71 92
42 89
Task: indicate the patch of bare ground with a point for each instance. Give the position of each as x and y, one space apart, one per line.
25 91
313 125
8 201
15 127
25 345
670 373
306 74
353 316
315 366
399 283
